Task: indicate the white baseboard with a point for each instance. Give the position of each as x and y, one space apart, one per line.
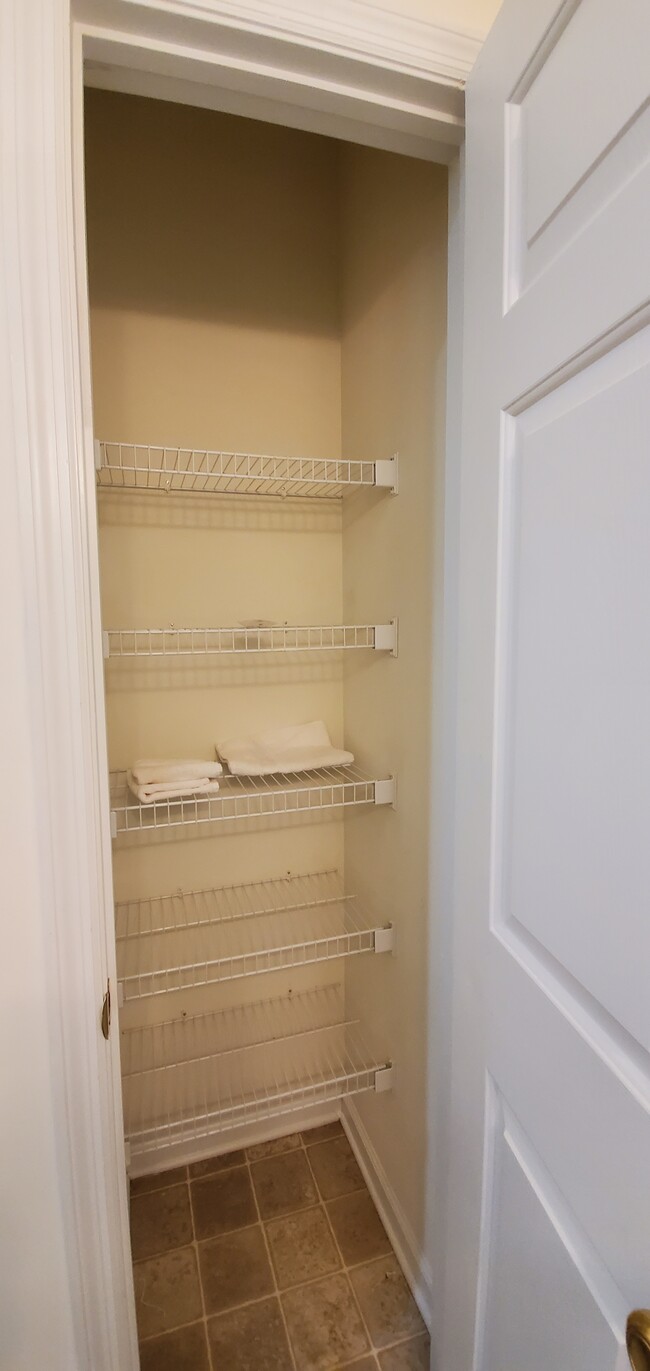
407 1250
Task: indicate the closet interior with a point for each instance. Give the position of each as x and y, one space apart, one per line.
268 361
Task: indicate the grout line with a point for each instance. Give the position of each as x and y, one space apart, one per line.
270 1261
199 1276
344 1264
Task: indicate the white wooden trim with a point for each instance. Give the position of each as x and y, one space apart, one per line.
352 28
407 1249
48 443
199 53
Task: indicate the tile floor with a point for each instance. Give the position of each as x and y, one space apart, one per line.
270 1259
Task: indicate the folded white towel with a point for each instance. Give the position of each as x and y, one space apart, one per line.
301 747
172 790
168 771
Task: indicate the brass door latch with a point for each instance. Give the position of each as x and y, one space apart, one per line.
106 1011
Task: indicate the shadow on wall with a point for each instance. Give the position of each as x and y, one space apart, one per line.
157 221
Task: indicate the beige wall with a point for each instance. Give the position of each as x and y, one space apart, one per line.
475 15
393 396
214 288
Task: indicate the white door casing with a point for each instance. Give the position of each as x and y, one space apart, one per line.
548 1235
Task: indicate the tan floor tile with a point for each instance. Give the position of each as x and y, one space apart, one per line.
223 1203
210 1165
283 1184
358 1228
386 1301
167 1292
184 1350
250 1339
324 1324
160 1221
409 1356
335 1168
365 1364
322 1132
274 1148
302 1247
234 1269
141 1185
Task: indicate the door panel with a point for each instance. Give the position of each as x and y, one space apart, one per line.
574 764
537 1246
548 1241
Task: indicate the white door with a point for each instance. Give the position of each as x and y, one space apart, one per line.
548 1241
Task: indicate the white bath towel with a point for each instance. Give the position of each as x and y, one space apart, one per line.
301 747
173 790
169 771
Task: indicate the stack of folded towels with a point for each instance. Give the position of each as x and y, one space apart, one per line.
302 747
152 780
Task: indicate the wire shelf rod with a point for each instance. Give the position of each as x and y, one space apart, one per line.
241 798
242 641
182 957
142 467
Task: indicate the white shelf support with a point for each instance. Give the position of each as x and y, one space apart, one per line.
113 824
386 792
386 474
386 637
97 446
384 1079
384 939
106 645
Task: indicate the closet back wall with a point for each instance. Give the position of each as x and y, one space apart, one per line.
214 289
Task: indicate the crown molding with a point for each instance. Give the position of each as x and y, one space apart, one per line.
354 29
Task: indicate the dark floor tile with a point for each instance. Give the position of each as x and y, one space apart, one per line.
386 1301
283 1184
322 1132
185 1349
223 1202
334 1166
160 1221
358 1228
302 1247
210 1165
167 1292
141 1185
409 1356
234 1269
274 1147
324 1324
250 1339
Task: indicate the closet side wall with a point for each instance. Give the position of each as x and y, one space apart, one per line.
393 399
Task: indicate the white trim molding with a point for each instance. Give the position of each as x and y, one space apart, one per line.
408 1251
348 69
50 463
352 28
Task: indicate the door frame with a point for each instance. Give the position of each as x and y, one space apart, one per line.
50 392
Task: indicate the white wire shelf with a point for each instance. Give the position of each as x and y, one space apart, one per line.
191 1078
129 466
199 937
192 642
244 797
